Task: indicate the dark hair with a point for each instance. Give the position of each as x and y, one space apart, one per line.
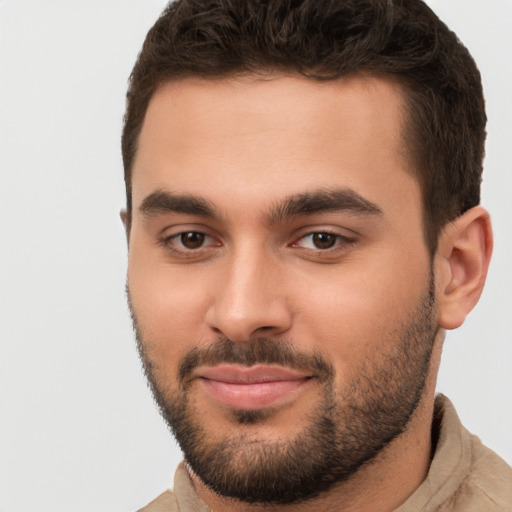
324 40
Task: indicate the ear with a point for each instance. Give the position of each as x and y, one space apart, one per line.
124 219
461 262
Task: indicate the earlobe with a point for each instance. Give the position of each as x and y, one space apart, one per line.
462 261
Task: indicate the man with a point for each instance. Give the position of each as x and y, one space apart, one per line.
304 225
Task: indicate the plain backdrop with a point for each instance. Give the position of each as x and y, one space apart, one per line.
78 428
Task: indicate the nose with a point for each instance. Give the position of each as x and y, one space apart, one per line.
249 300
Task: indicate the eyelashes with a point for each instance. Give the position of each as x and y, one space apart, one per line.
322 240
189 244
198 244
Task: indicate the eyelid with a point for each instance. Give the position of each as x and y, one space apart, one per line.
167 240
173 230
342 240
343 233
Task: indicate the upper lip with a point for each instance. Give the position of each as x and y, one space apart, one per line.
239 374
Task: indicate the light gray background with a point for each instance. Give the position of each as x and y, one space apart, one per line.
78 429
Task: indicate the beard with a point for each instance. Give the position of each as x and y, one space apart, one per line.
346 429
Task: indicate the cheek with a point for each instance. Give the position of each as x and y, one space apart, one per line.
350 315
169 306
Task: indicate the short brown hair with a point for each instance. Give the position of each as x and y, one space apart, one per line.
325 40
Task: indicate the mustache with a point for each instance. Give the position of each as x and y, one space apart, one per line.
256 351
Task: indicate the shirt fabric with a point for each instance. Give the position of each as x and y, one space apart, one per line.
464 476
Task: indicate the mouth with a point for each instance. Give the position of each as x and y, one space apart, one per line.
249 388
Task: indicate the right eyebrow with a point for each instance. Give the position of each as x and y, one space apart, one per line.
323 200
163 202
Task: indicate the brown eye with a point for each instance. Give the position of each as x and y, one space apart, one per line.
324 240
192 239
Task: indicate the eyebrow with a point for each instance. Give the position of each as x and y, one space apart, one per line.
322 200
166 202
308 203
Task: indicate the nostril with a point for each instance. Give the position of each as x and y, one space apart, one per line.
237 318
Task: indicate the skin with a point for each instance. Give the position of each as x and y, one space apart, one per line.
245 145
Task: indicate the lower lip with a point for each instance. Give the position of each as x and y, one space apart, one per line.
252 396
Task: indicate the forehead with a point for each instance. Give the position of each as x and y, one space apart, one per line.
272 135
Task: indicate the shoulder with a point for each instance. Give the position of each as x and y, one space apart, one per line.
166 502
183 499
464 475
480 479
488 483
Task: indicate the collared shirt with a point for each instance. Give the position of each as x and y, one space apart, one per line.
464 476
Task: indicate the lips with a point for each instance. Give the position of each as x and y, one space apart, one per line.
254 387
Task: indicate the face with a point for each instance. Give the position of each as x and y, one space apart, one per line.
278 277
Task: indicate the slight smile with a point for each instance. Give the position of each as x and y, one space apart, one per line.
254 387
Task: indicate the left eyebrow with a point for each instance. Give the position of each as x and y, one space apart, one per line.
322 200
